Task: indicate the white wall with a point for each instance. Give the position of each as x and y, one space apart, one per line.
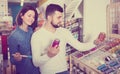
94 18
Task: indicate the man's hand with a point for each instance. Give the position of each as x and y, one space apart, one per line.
52 51
100 39
97 42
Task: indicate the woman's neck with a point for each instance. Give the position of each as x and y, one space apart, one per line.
24 27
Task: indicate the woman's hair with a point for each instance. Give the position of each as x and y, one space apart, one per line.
24 9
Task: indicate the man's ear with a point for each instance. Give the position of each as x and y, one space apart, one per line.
49 18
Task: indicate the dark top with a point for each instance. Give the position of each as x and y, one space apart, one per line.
19 41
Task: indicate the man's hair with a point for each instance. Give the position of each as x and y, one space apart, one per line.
52 8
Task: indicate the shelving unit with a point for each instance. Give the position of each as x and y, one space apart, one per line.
114 1
76 25
94 62
113 20
3 8
71 8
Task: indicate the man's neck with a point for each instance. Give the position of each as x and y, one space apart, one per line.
49 27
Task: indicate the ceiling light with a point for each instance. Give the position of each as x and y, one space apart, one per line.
22 2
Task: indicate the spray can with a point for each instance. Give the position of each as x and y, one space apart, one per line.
101 36
55 42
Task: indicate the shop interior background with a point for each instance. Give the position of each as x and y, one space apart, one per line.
93 13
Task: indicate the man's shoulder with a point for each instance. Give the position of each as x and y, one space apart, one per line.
39 32
63 29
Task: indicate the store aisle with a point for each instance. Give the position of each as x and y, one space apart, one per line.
8 67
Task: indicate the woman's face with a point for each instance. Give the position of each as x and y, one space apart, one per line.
29 17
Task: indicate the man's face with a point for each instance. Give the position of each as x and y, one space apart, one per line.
56 19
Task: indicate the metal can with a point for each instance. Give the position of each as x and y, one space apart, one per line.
55 42
101 36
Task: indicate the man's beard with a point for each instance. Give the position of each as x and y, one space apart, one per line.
55 25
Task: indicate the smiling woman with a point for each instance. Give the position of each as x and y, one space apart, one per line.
21 36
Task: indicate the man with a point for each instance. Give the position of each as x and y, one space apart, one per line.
52 60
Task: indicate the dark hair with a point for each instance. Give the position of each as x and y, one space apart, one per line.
52 8
24 9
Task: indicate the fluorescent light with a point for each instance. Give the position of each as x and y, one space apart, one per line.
22 2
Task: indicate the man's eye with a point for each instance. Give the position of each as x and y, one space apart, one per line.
29 15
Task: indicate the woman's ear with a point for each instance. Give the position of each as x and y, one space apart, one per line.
21 15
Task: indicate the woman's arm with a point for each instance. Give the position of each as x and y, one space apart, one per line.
13 48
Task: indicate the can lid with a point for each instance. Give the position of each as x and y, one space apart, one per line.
57 40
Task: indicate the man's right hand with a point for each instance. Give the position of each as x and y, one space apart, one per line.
52 51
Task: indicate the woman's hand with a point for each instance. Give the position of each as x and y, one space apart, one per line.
17 56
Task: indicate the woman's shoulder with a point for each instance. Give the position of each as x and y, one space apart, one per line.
14 33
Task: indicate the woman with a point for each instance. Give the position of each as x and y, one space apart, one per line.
19 41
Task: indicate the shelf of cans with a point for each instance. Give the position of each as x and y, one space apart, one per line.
114 1
74 27
113 22
102 59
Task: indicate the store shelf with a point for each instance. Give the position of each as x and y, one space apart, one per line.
72 7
